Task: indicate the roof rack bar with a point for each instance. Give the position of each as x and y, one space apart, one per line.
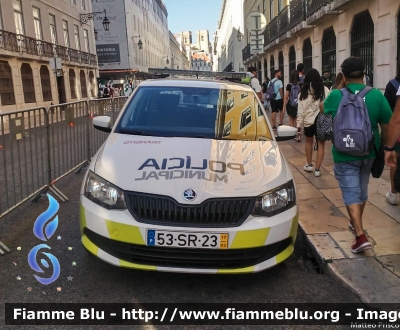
163 73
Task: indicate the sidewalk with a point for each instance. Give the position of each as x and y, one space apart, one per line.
373 275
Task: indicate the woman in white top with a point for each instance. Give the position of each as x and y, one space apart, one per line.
312 93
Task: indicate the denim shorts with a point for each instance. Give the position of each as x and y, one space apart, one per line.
353 178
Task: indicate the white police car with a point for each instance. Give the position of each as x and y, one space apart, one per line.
190 179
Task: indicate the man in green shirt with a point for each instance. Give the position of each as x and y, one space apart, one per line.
353 172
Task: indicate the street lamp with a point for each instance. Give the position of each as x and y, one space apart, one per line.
167 61
239 35
96 34
140 43
84 18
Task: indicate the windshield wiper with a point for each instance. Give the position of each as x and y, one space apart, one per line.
127 131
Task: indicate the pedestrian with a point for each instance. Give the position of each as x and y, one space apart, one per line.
276 86
254 83
312 94
393 135
328 77
116 92
106 92
264 86
300 69
290 102
339 81
391 94
353 172
367 80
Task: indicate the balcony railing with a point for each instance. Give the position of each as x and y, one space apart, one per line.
23 44
297 12
26 44
8 41
314 5
62 52
246 52
48 49
74 55
273 29
93 59
283 21
85 58
266 36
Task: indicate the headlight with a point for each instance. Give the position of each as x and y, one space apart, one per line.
275 201
104 193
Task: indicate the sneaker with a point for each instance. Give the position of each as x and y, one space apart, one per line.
361 243
351 227
392 198
298 137
274 128
317 173
309 168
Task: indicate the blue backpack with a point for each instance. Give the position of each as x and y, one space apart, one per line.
270 94
395 83
352 131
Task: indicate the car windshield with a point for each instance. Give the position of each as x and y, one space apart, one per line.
195 113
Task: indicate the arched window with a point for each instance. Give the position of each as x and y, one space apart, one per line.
281 65
82 78
307 54
28 85
72 83
272 65
46 83
265 68
292 59
329 49
6 84
362 41
92 84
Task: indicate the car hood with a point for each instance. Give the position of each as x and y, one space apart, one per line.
213 168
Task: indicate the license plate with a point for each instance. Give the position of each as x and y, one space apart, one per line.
187 240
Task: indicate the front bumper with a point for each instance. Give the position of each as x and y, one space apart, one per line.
259 243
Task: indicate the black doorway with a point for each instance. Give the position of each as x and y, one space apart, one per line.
61 90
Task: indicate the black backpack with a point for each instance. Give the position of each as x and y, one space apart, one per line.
106 91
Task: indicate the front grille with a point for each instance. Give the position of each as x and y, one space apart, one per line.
163 210
187 258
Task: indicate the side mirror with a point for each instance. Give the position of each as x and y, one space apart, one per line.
285 133
102 123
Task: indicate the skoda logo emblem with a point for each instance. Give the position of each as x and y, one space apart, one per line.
189 195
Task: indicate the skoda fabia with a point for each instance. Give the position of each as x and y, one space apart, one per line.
190 179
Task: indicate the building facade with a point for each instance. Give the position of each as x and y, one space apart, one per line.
227 47
33 34
318 33
178 58
199 53
186 47
201 61
132 23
